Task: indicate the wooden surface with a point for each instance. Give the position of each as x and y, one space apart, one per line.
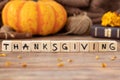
43 66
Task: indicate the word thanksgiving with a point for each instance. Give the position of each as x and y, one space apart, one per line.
58 46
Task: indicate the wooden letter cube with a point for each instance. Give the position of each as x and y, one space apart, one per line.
45 46
26 46
16 46
35 46
94 46
55 46
74 46
6 45
65 46
103 46
112 46
84 46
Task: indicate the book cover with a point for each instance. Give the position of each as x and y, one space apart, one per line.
105 32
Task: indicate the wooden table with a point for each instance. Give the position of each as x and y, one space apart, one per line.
43 66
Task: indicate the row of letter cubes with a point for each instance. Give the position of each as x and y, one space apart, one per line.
58 46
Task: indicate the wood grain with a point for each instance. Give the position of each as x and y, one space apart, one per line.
43 66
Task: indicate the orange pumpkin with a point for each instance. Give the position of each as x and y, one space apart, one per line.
43 17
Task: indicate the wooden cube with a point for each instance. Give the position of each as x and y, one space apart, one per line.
6 45
26 46
94 46
55 46
16 46
65 46
112 46
103 46
35 46
45 46
74 46
84 46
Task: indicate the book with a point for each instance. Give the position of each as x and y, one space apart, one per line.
105 32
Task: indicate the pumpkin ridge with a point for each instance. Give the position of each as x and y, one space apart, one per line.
5 12
32 29
56 29
18 25
39 19
55 23
65 14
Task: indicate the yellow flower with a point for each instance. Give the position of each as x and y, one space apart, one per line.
111 19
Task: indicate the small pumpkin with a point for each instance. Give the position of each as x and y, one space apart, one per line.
42 17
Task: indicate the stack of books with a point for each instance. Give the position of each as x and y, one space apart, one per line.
105 32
